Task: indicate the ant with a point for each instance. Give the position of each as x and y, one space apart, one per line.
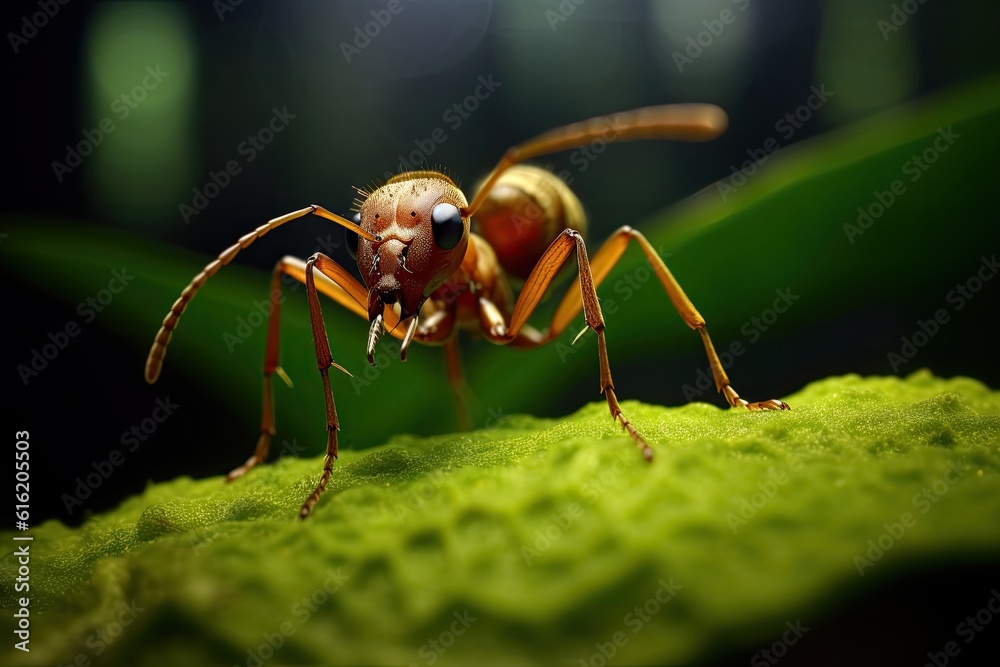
424 269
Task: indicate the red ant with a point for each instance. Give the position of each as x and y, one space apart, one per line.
412 235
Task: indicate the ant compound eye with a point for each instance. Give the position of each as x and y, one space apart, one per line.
446 223
351 238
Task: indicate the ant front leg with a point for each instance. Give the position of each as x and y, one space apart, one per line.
320 274
324 360
295 268
334 282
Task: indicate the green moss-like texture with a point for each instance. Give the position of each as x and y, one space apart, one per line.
547 533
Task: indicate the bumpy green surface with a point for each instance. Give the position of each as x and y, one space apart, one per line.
547 533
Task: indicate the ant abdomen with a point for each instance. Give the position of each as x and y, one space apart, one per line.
524 212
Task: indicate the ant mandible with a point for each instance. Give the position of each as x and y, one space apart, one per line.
412 235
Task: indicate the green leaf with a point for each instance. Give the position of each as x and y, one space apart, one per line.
546 533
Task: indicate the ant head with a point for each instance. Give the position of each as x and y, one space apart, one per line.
423 236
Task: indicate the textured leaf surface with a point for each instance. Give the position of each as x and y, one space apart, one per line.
547 533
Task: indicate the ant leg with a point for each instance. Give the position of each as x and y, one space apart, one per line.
605 259
459 388
322 274
335 282
267 426
295 268
324 359
549 264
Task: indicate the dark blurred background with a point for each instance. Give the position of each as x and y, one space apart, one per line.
210 74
